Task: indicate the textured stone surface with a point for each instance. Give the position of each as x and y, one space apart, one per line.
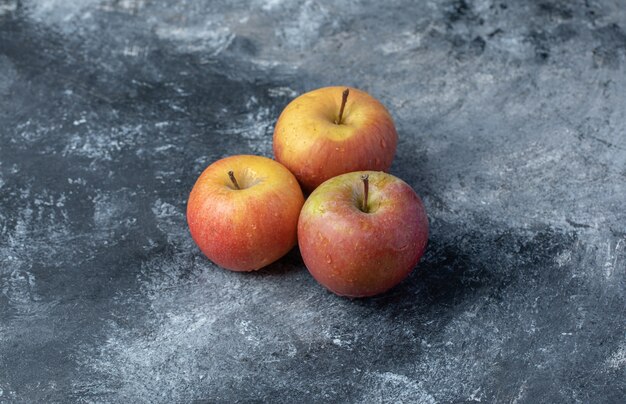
512 124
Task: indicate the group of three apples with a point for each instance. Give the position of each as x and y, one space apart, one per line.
360 231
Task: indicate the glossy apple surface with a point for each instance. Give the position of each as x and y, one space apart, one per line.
247 228
356 253
312 144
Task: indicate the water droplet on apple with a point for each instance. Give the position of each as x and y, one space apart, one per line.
329 259
383 143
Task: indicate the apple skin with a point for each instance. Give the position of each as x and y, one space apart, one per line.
358 254
314 148
245 229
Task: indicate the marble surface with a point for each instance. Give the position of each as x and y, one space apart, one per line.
512 125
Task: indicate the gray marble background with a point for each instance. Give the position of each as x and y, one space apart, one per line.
512 125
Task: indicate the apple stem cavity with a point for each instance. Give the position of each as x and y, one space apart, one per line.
231 175
344 99
366 188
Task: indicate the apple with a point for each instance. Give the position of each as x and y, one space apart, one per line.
243 212
362 233
332 131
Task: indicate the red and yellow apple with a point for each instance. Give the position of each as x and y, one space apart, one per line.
243 212
332 131
362 233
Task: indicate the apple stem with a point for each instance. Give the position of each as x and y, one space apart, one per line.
366 189
231 175
344 99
